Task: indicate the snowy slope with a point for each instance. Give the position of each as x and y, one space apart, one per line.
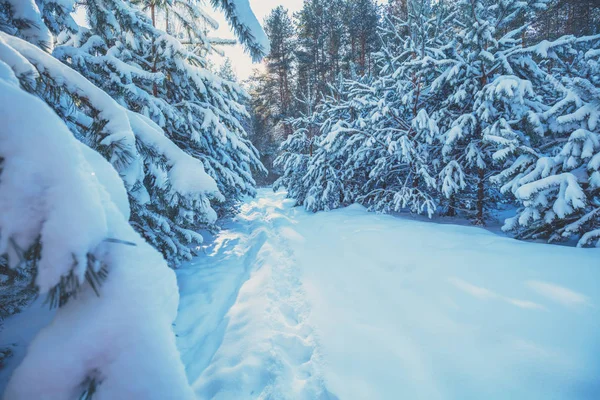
353 305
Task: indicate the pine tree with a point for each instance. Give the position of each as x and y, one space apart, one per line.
312 67
296 152
405 143
71 177
328 181
279 62
226 71
556 179
480 68
155 76
65 218
362 20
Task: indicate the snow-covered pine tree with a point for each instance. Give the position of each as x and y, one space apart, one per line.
66 212
404 150
165 83
121 136
328 181
557 178
65 216
480 80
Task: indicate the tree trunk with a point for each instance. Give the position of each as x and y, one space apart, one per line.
153 14
451 207
480 197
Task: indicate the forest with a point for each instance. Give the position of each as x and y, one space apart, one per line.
401 201
438 108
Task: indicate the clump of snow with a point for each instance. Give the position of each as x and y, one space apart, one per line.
34 30
186 173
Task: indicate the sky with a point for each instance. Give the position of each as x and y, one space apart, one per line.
242 63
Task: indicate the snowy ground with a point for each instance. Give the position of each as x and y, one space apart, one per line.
353 305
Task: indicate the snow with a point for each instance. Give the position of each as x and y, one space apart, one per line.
19 64
242 326
27 10
354 305
37 198
17 332
109 178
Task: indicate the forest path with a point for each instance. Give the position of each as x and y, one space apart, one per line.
242 326
354 305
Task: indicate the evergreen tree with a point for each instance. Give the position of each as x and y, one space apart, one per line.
312 69
296 152
405 149
556 179
327 181
226 71
482 77
279 62
65 218
566 17
155 76
363 19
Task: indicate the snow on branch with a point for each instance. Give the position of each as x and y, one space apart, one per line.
119 137
247 28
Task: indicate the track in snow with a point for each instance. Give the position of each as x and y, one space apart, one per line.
353 305
243 329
